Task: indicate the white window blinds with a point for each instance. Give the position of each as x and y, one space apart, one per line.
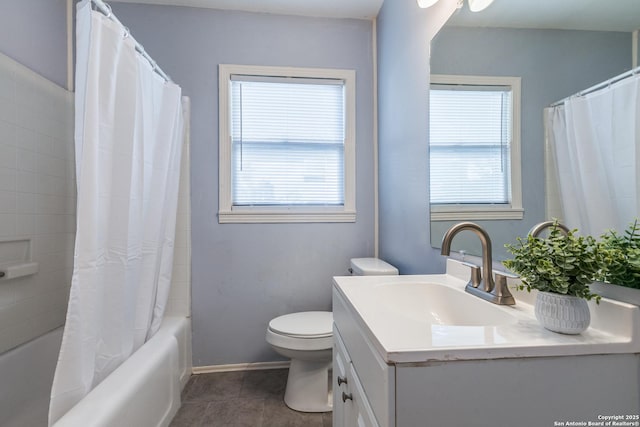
470 143
287 137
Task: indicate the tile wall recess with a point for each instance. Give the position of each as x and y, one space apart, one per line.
179 303
37 200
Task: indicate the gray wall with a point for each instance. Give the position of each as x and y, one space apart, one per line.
553 64
243 275
34 33
403 99
638 50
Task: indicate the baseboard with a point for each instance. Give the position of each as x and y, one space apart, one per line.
240 367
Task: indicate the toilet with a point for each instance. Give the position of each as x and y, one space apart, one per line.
307 339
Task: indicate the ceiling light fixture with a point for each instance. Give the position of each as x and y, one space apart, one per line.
474 5
479 5
426 3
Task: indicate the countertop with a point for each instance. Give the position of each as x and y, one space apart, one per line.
402 339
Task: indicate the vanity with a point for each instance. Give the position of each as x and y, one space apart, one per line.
413 351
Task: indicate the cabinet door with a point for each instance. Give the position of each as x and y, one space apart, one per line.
342 413
362 414
377 378
350 405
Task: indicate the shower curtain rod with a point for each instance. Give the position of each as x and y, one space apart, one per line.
599 86
106 10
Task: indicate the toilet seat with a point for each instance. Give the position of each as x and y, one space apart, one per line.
306 331
308 324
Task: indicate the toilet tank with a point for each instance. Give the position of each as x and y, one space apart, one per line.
371 267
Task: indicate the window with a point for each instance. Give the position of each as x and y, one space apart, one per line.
287 144
474 148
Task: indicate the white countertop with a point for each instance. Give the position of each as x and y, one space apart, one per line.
402 338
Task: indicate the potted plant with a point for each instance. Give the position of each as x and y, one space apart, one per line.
620 265
561 267
621 257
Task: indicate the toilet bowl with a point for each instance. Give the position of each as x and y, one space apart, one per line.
307 339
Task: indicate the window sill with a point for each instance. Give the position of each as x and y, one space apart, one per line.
462 213
275 216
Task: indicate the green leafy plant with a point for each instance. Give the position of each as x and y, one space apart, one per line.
621 257
559 264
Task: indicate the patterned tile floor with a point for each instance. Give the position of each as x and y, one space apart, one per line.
242 399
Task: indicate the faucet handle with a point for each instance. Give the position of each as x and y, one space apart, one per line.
501 290
506 275
476 275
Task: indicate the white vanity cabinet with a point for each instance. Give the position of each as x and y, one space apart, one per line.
350 406
387 383
356 362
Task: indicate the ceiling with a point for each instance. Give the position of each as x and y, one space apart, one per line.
360 9
599 15
603 15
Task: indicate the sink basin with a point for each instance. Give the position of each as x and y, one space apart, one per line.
436 304
430 317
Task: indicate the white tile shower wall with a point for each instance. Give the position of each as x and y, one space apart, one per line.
37 199
179 303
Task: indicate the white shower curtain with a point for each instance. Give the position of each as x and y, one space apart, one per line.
597 145
128 146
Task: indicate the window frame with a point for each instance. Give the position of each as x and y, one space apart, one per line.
227 212
487 211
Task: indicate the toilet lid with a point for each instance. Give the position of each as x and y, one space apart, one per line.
308 324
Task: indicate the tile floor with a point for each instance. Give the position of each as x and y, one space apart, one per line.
242 399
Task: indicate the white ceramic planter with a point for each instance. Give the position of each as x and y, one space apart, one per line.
562 313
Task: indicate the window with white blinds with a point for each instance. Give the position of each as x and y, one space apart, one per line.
290 144
473 144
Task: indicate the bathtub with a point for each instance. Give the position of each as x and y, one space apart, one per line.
26 374
145 389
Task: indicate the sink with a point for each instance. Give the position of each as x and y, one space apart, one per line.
430 317
419 347
436 304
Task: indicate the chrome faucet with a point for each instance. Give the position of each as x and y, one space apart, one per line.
483 287
487 264
537 229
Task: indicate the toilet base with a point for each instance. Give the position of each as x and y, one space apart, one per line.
308 386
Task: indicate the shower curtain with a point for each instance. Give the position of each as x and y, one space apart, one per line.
596 139
128 145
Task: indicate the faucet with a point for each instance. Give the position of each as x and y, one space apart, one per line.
485 288
537 229
487 263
